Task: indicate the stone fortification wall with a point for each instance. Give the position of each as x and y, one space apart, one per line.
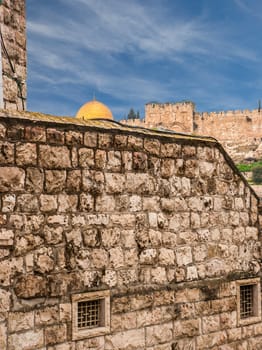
164 223
240 132
13 27
177 116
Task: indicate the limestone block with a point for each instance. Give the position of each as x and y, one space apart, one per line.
67 203
110 237
170 150
100 159
30 286
234 334
195 220
34 180
183 256
127 277
55 334
139 183
6 237
179 222
105 203
167 168
238 235
152 220
151 204
114 161
148 256
128 340
19 321
48 203
206 169
116 257
209 340
57 220
191 273
2 131
169 239
55 180
134 143
105 140
65 312
74 236
123 322
54 156
28 341
166 257
55 136
5 300
44 260
90 139
27 203
110 278
91 237
96 343
127 160
188 328
135 203
99 258
128 238
26 154
159 275
131 257
159 334
46 316
74 137
120 141
211 324
3 336
140 162
191 168
215 267
228 320
35 133
11 179
114 183
86 157
251 233
73 181
6 153
124 220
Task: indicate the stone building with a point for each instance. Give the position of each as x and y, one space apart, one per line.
13 55
240 132
124 238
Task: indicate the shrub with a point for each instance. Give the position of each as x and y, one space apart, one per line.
257 174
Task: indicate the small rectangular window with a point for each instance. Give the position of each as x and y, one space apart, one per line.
91 314
248 301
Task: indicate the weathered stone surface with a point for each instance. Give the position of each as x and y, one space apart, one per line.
26 154
54 157
11 179
30 286
28 340
6 237
19 321
129 340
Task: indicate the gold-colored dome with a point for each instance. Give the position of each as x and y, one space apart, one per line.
94 110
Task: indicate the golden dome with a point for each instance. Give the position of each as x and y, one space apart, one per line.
94 110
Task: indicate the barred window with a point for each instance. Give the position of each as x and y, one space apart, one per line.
248 301
91 314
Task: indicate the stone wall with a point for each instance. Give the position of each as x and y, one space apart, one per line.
13 26
165 223
240 132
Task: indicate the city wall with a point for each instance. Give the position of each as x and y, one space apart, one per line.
165 226
240 132
13 52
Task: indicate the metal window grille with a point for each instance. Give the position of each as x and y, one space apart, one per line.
246 301
89 313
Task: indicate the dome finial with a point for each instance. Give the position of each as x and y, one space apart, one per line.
94 95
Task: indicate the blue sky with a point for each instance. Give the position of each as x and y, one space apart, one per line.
130 52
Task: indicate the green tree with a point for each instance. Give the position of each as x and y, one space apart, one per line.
131 114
